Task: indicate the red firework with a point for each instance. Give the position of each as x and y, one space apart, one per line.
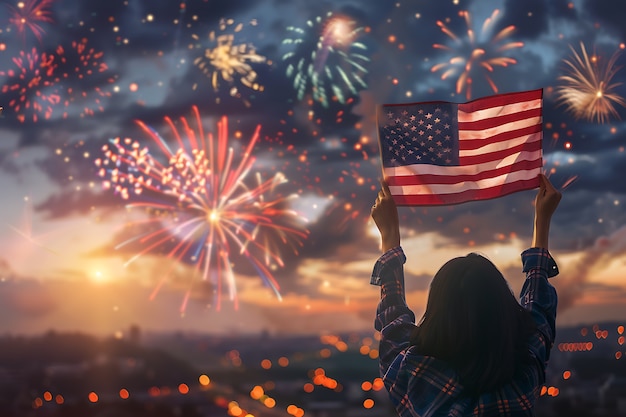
29 14
33 84
76 64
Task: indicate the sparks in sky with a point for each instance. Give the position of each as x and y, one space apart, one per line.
327 61
587 89
76 65
29 14
214 213
30 88
226 60
475 57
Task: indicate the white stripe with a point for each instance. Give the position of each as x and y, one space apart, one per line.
499 111
422 169
506 127
464 186
498 146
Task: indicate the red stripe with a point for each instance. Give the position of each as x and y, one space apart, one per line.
468 195
499 155
429 179
500 120
500 100
467 144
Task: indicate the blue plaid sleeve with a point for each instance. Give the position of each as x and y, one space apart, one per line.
388 259
394 320
539 297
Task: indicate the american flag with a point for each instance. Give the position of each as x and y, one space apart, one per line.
436 153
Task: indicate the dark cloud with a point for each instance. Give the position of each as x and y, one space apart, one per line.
532 18
608 14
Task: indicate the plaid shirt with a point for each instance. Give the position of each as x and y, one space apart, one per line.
423 386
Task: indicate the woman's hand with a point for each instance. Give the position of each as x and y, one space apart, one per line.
385 215
546 202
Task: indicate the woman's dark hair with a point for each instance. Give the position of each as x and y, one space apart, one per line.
474 322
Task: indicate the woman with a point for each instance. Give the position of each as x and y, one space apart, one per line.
476 351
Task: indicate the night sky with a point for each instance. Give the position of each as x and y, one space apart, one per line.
76 75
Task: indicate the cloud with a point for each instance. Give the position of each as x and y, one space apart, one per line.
533 18
75 203
27 299
607 12
577 277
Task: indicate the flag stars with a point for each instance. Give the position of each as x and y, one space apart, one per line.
417 136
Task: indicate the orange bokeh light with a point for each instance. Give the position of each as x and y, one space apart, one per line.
204 380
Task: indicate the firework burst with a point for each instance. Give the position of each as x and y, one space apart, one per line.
31 87
29 14
228 61
214 211
75 66
476 56
587 89
327 61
